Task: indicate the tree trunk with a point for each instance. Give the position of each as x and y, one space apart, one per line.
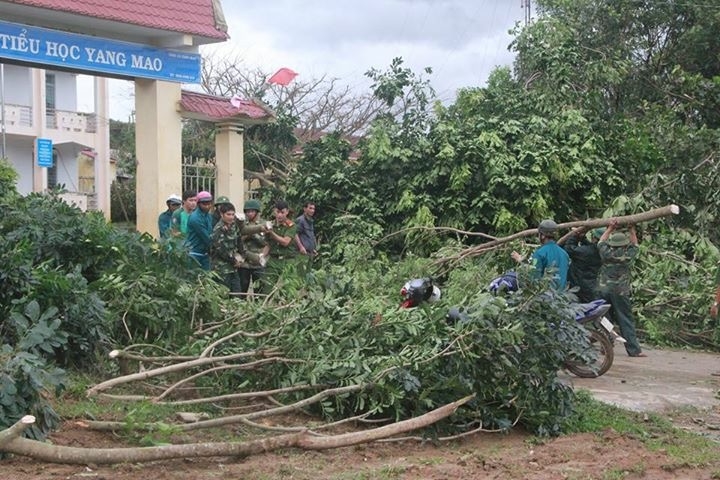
305 440
592 223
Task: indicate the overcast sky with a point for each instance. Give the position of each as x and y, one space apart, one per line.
462 40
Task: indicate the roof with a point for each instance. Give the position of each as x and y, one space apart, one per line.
196 17
213 109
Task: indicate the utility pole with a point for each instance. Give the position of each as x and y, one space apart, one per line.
526 5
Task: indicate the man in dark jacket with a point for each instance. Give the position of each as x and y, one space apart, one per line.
585 262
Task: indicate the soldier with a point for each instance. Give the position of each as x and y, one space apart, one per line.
224 255
617 251
226 251
254 242
283 249
585 261
218 202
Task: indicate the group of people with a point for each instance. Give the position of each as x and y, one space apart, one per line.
240 247
598 265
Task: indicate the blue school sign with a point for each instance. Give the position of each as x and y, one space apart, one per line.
44 152
83 52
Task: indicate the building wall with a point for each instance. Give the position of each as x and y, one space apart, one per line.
66 90
19 153
18 85
25 121
67 166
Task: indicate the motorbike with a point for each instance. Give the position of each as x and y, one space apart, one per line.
592 316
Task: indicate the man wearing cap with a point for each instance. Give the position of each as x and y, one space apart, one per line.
173 203
585 261
617 252
200 229
550 259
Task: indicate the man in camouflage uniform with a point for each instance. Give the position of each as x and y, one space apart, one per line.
224 255
283 249
256 243
227 251
617 251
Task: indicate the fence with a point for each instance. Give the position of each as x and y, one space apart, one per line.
199 174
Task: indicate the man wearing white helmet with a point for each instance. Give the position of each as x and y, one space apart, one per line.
173 202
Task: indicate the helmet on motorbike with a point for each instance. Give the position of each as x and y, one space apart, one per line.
417 291
252 204
547 228
507 282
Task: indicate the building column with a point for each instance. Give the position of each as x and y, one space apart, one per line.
39 119
230 162
158 147
102 146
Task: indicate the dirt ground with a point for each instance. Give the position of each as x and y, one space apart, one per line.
676 383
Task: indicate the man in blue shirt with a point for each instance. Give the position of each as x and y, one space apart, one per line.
200 227
550 259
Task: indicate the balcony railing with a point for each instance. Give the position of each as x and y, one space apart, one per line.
71 121
19 115
22 116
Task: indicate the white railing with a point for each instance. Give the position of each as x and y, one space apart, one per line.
71 121
17 115
84 201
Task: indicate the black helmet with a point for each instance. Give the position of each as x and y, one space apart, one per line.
417 291
547 228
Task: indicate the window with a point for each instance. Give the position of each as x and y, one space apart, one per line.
50 92
52 171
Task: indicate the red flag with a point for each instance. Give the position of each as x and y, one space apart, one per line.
282 77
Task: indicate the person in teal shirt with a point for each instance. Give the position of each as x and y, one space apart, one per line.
173 202
200 227
550 259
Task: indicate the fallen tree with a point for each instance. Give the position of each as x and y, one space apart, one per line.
11 442
590 223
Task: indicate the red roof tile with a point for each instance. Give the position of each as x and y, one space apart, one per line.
212 108
195 17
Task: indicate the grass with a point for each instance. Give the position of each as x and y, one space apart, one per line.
686 449
73 403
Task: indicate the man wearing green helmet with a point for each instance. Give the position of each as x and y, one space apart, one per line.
251 273
617 251
221 200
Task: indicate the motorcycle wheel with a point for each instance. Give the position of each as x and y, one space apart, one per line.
605 355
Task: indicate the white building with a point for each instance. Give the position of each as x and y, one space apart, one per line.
38 103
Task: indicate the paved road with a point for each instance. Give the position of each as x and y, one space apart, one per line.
663 380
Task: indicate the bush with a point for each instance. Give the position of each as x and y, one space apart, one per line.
122 202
